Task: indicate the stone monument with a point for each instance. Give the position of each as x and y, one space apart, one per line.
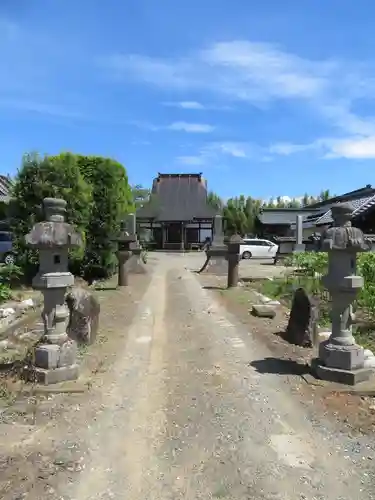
123 240
135 264
55 357
340 358
217 252
299 245
303 320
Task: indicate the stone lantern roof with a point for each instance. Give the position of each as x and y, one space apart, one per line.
54 232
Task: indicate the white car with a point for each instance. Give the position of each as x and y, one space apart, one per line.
258 249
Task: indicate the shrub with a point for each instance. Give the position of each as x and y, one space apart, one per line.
49 176
112 200
5 292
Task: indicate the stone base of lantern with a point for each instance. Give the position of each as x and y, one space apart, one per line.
55 363
341 364
56 375
347 377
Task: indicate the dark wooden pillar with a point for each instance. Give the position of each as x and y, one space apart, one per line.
182 236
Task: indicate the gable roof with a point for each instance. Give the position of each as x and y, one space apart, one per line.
320 213
177 197
283 216
6 184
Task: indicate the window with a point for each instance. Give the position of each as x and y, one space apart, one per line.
5 237
253 243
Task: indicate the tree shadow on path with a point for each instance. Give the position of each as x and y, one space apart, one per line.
280 366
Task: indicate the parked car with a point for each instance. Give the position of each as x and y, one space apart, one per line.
7 254
258 249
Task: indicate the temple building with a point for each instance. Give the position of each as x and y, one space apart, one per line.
281 222
177 214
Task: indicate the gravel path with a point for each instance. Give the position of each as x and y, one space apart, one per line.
183 414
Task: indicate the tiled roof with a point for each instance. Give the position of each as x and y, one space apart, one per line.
177 197
359 205
283 216
5 185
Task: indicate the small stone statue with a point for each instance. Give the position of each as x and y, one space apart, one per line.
84 311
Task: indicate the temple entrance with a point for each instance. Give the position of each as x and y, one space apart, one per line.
174 233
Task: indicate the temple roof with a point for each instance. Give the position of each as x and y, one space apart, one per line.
177 197
320 213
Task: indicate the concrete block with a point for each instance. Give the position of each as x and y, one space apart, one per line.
263 311
47 356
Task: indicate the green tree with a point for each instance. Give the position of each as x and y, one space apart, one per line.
112 200
140 195
41 177
215 201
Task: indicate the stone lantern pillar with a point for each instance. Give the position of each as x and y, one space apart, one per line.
55 357
340 358
233 256
135 264
124 252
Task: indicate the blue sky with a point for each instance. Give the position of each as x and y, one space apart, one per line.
265 98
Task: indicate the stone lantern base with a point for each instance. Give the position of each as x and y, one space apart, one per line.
341 364
55 363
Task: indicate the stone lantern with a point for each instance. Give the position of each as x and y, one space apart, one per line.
124 241
340 358
55 357
233 256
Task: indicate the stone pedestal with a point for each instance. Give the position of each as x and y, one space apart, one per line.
340 358
299 246
217 252
55 357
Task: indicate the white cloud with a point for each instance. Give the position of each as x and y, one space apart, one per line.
235 149
194 128
240 69
260 73
191 160
185 104
358 148
287 148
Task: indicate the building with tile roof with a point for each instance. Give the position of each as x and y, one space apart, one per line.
317 217
177 212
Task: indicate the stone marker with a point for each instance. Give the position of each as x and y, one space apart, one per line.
303 320
217 252
55 358
299 245
135 264
263 311
340 358
84 311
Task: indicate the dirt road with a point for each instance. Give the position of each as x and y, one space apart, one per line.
182 413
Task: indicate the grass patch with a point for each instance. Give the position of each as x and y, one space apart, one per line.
365 336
